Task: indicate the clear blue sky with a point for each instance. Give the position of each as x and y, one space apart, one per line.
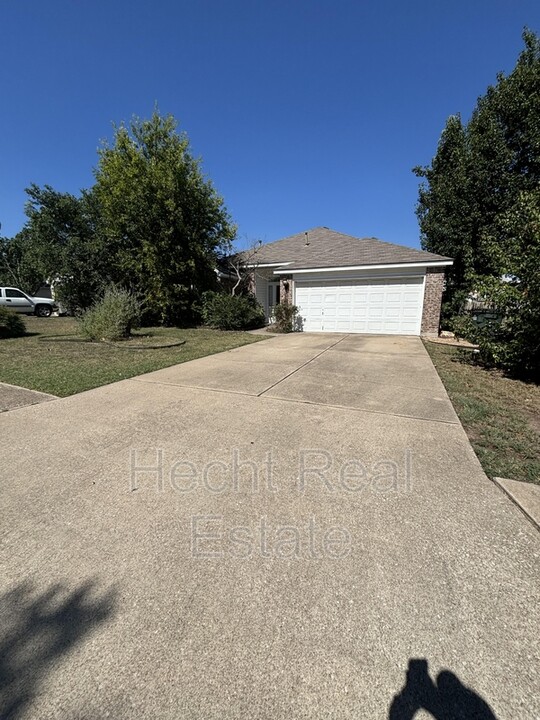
305 112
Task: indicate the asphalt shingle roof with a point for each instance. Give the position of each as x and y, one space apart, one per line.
328 248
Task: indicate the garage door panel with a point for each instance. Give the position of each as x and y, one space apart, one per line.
409 312
358 327
408 329
374 306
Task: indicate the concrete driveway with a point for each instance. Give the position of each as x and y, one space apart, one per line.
293 529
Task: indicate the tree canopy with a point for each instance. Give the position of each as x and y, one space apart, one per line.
152 223
479 203
163 220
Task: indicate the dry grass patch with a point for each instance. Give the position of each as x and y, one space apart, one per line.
500 415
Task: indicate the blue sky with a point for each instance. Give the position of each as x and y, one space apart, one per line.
305 113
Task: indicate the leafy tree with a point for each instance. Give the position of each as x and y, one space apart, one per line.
152 224
163 221
63 244
513 342
17 267
444 209
480 204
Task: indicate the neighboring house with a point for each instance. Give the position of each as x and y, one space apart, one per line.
342 283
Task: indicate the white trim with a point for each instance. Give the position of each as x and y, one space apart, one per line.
265 265
423 298
361 278
358 267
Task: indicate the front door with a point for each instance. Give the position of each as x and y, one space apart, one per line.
273 297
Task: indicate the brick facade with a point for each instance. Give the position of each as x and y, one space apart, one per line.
432 301
286 289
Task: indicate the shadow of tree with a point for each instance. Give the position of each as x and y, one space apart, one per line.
446 698
36 629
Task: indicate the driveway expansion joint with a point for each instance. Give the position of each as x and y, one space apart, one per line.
295 401
141 379
524 495
360 410
303 365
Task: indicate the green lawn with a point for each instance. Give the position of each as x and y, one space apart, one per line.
65 368
501 416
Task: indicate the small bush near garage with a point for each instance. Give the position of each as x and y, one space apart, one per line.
11 324
463 326
231 312
113 317
285 317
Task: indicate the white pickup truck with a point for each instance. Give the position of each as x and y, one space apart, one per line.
20 302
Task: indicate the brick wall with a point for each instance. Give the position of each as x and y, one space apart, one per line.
432 301
286 289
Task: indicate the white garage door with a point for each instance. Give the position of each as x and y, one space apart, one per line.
392 306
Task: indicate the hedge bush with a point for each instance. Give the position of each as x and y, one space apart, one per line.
11 324
113 317
463 326
285 317
231 312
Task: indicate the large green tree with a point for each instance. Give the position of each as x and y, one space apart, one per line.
479 203
444 208
152 223
163 221
17 267
62 243
514 342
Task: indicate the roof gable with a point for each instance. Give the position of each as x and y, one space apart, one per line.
322 247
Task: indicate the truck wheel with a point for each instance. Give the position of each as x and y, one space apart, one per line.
43 310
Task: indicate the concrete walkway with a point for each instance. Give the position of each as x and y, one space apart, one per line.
313 537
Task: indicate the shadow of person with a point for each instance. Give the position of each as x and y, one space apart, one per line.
445 699
36 629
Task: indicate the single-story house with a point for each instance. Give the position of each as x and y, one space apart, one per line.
342 283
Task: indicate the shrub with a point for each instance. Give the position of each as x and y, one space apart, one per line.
113 317
511 344
463 326
285 317
231 312
11 324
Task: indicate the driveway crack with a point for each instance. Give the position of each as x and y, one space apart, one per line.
303 365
